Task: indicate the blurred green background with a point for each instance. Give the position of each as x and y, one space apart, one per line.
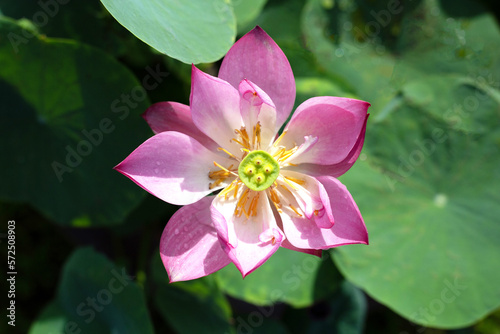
75 77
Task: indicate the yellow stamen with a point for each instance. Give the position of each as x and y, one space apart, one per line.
278 153
240 206
293 179
220 174
215 184
274 196
244 135
243 198
284 187
252 209
256 135
236 140
244 139
237 213
288 153
223 168
278 207
277 141
290 184
247 214
229 188
236 188
295 210
228 153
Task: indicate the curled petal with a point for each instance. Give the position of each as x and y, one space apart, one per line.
307 144
336 122
309 194
256 106
337 169
288 245
173 167
173 116
214 109
248 241
189 246
258 58
349 227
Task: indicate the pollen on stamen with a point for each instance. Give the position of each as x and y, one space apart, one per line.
278 153
243 140
223 168
287 154
256 135
236 188
215 184
290 184
277 141
252 209
233 185
294 210
228 153
293 179
285 188
240 206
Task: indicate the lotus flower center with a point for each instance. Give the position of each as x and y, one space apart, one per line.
258 170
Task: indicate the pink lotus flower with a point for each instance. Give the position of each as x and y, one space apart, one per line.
275 190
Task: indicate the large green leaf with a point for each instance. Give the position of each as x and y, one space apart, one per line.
180 301
52 319
431 209
69 113
287 276
362 67
197 31
94 296
85 21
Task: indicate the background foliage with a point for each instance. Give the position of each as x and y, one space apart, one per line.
75 77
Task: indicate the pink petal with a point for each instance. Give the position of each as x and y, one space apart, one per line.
189 246
311 197
286 244
173 116
256 106
349 227
248 242
336 122
337 169
173 167
215 106
258 58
